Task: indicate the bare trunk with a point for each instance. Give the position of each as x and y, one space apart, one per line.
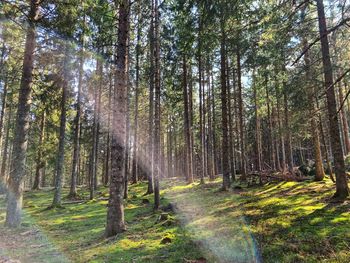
135 146
151 105
187 125
257 128
342 189
319 176
270 124
157 135
18 171
77 124
224 124
3 174
63 118
115 214
109 131
39 162
344 121
288 139
240 112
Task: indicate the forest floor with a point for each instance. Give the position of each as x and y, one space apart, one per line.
279 222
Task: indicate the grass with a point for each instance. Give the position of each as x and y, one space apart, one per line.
77 230
295 222
289 221
279 222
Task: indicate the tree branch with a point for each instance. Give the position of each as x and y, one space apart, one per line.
319 38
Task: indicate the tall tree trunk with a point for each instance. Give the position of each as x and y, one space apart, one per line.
127 139
187 124
39 159
157 135
342 189
319 176
115 214
62 133
201 102
240 113
344 121
271 147
93 164
190 104
77 124
2 116
3 106
18 171
324 142
109 132
280 132
210 143
3 174
215 157
230 124
224 122
98 128
257 128
135 146
288 138
151 105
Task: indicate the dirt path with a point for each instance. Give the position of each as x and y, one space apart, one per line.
26 244
215 223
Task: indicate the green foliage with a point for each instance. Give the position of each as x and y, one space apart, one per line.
347 162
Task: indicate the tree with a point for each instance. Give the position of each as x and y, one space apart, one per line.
77 123
59 173
157 126
342 189
224 109
115 214
18 170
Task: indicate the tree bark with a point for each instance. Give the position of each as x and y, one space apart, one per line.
342 189
115 214
39 162
319 176
224 121
18 171
63 119
3 174
240 112
109 132
151 105
157 135
135 146
288 139
77 124
257 128
187 124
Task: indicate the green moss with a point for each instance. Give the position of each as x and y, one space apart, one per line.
290 222
78 229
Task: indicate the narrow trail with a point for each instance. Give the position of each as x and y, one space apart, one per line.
223 239
28 244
